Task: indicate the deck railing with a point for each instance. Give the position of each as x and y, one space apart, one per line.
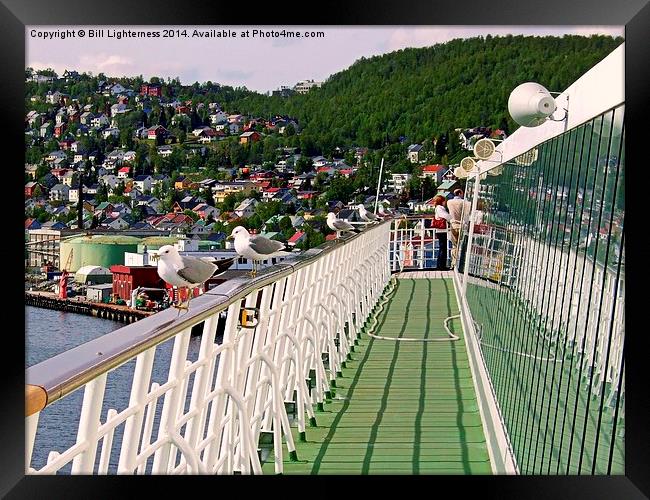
544 293
269 345
414 245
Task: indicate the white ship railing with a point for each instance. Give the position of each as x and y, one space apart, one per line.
287 334
414 246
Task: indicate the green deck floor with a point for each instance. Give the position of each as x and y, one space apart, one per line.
401 407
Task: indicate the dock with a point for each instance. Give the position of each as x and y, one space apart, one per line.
48 300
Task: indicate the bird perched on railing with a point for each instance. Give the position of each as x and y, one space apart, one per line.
339 225
186 272
365 215
384 212
256 247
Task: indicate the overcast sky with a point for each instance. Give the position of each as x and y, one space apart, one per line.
261 64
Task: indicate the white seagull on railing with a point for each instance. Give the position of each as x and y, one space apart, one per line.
384 212
339 225
187 272
365 215
256 247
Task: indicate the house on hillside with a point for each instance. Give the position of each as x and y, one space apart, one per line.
246 208
435 172
298 237
156 131
60 192
248 137
413 153
143 182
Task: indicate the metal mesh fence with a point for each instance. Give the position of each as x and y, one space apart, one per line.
545 286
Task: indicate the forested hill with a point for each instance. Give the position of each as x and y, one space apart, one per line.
424 92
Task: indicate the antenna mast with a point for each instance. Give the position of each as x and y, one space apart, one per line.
381 171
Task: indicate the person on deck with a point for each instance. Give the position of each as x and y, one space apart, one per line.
441 213
459 210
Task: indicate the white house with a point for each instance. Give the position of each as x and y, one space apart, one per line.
119 108
115 132
233 128
117 89
414 152
68 178
73 195
55 155
398 182
143 182
246 208
109 180
46 129
60 192
218 117
86 118
165 150
116 223
100 121
129 156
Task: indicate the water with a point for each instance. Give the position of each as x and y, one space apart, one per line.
49 333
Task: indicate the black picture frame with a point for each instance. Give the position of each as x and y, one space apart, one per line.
634 14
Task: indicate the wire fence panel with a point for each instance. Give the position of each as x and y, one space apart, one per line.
544 282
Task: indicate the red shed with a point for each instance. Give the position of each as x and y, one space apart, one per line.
126 278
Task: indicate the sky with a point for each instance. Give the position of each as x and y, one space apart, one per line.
261 63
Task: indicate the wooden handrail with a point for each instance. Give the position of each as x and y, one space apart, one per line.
35 399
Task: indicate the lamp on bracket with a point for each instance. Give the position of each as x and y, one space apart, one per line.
530 105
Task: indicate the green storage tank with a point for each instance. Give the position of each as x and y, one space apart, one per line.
155 242
97 250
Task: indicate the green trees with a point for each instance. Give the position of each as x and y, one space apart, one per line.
420 93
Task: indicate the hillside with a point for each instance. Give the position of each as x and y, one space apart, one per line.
420 93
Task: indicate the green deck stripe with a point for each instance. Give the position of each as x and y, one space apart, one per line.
401 407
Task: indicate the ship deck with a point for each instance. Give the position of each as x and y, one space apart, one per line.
401 407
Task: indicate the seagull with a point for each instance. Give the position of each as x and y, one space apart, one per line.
339 225
256 247
365 215
188 272
384 212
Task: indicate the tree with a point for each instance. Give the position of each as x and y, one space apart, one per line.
192 214
102 193
303 165
229 202
285 224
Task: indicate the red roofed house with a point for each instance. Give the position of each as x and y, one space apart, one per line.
269 192
123 173
296 238
60 172
346 172
307 195
434 171
204 210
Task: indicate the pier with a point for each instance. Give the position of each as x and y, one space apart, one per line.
113 312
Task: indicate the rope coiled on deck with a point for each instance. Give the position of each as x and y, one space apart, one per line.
388 295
